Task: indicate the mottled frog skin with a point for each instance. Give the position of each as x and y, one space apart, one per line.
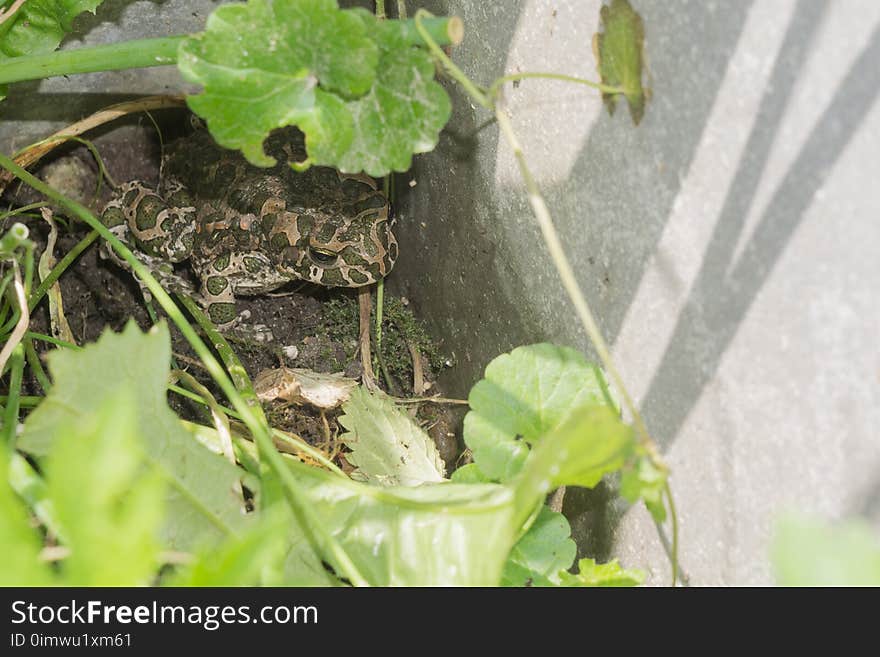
247 230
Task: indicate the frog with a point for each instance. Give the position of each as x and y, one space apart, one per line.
246 230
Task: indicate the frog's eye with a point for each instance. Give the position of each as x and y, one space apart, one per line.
322 256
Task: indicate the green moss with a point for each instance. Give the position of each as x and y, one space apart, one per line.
399 327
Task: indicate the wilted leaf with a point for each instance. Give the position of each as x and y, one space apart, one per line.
201 504
524 395
811 553
604 574
646 482
619 52
387 447
542 553
109 505
301 386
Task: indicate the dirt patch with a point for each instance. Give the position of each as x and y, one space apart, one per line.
314 328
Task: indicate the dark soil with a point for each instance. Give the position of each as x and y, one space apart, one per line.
320 324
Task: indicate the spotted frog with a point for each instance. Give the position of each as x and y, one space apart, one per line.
246 230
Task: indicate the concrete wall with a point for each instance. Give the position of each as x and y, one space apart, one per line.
729 244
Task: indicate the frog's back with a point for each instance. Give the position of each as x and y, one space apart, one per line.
222 177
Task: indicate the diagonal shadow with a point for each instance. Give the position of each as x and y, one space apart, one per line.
634 175
718 302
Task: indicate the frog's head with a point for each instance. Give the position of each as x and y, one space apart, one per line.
344 243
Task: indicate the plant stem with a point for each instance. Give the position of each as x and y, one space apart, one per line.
33 359
139 53
443 30
22 322
380 9
421 21
24 401
60 268
604 88
142 53
380 306
6 14
673 520
30 335
10 413
230 359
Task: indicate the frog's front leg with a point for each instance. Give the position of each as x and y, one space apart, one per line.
159 232
218 296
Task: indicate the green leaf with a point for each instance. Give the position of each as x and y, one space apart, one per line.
261 64
807 552
202 506
39 26
109 505
29 485
365 98
591 443
254 559
646 482
20 564
469 474
540 555
524 395
434 535
619 51
401 115
605 574
387 447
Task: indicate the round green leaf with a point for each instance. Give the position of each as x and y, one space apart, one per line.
261 62
524 395
402 114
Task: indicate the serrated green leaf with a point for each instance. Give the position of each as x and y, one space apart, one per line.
109 506
387 447
807 552
619 51
523 396
605 574
20 564
542 553
646 482
261 64
592 442
40 25
434 535
400 116
201 505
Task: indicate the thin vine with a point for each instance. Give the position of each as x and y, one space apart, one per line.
490 100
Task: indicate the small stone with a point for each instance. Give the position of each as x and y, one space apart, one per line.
290 351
